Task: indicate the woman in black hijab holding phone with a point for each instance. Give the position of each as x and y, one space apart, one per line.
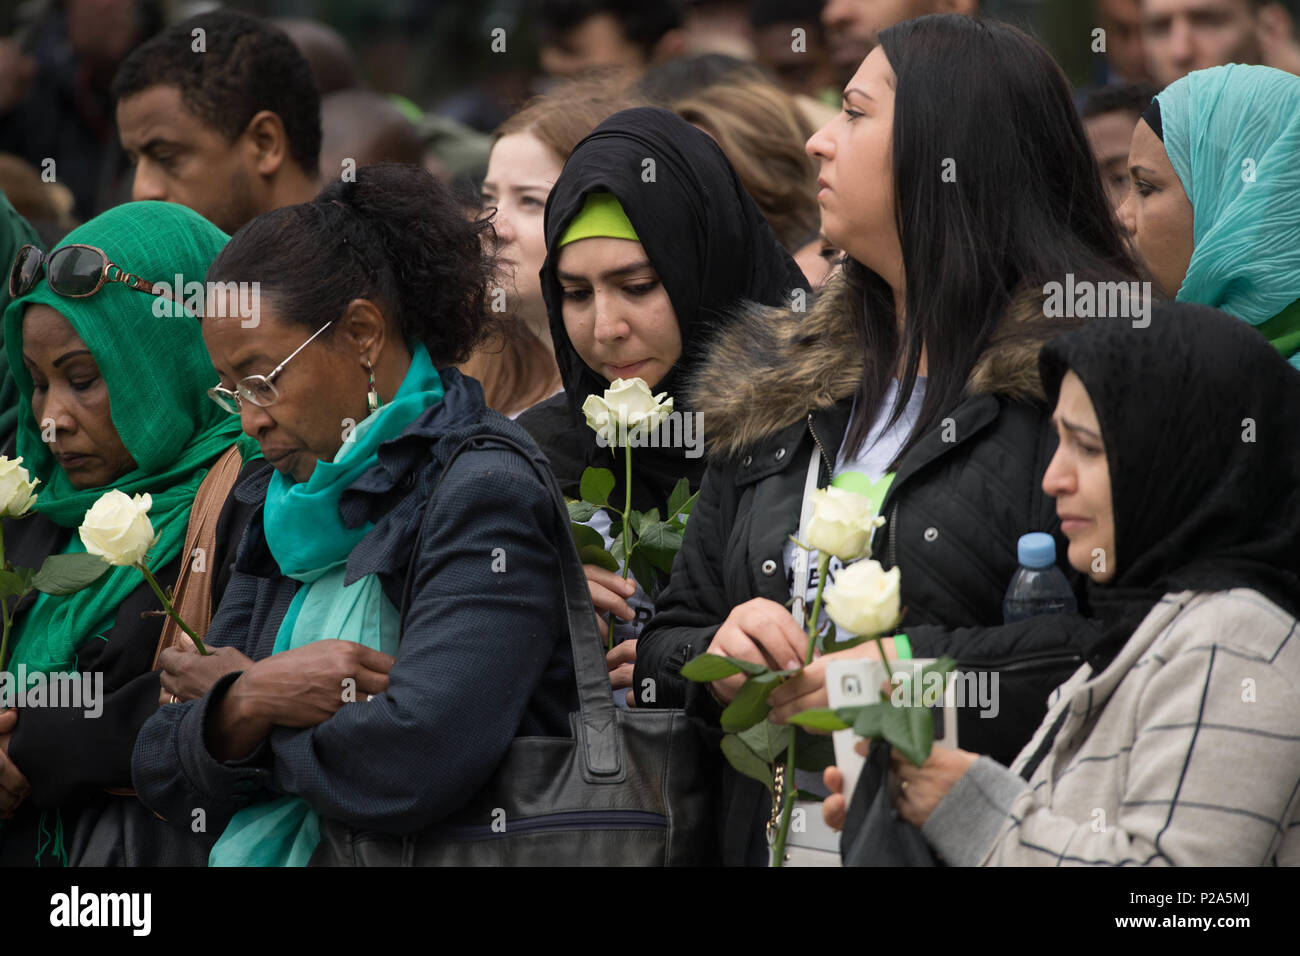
1175 743
651 242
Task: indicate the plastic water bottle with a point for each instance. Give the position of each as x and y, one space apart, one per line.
1038 586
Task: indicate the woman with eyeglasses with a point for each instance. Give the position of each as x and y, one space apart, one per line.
364 701
111 396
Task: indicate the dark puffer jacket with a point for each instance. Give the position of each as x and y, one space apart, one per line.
778 388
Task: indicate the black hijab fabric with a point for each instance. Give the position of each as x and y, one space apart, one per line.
1197 505
705 238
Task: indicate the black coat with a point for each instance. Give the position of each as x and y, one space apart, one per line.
483 658
70 760
955 511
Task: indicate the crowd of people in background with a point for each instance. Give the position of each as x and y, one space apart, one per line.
828 229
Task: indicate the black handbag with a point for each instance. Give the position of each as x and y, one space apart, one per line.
874 834
628 788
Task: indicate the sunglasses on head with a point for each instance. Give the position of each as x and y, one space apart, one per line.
74 271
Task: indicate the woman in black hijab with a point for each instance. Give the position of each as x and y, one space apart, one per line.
707 243
1178 466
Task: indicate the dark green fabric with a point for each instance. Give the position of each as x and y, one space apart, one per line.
1283 331
157 372
15 232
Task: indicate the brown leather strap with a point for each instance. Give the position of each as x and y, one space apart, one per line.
192 596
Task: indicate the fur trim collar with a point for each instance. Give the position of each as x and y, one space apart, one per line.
771 366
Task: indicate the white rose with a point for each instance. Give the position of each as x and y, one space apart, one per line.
626 405
16 488
842 524
864 598
117 528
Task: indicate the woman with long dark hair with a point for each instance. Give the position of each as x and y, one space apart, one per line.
959 182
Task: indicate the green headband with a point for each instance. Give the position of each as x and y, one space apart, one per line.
601 217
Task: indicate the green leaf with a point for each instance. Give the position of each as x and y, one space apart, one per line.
659 557
599 557
617 548
746 761
711 667
942 666
827 637
821 718
658 534
591 547
67 573
770 741
641 568
681 494
596 485
585 536
11 584
686 509
813 752
650 517
909 730
871 719
750 704
580 511
634 521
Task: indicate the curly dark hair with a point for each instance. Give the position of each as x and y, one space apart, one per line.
246 66
396 236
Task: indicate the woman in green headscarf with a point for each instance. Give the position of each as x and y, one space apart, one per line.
111 374
1214 207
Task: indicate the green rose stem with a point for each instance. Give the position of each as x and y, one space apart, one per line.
4 608
167 606
627 530
788 787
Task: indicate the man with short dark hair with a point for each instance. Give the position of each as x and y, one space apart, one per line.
1185 35
220 113
578 36
1125 60
1109 115
852 25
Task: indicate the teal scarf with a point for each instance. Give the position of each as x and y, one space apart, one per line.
1233 137
310 542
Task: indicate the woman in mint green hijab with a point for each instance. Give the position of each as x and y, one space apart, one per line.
1214 207
110 396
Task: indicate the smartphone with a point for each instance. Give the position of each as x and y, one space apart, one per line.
850 683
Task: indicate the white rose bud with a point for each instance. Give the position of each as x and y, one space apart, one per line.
16 488
117 528
627 404
842 524
864 598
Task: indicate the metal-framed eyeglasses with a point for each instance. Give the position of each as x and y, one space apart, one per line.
259 390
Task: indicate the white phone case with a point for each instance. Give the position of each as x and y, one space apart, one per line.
850 683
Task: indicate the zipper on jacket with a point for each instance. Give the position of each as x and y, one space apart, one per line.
573 820
830 468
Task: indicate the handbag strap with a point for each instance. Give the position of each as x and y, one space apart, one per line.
598 723
192 596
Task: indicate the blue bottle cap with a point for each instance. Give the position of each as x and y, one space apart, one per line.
1036 550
